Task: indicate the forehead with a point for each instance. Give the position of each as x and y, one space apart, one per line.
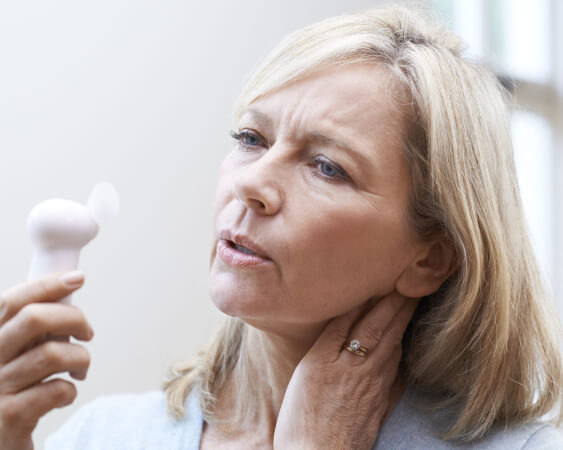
354 105
356 98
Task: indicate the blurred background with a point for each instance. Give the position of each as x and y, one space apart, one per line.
140 93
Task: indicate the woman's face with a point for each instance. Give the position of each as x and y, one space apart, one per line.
318 187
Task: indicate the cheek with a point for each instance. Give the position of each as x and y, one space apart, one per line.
347 260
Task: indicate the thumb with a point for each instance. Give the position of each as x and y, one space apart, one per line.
49 288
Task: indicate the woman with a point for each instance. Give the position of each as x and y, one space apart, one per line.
372 168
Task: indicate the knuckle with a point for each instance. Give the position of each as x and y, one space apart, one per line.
10 414
43 288
7 384
355 362
49 356
44 285
30 316
63 392
339 335
374 335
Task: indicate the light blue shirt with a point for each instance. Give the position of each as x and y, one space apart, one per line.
140 421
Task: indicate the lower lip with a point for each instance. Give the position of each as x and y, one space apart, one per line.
234 257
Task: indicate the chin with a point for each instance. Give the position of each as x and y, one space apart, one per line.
226 306
240 296
231 302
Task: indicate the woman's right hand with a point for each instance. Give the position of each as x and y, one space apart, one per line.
34 344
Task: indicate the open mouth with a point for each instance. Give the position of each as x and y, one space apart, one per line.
241 248
240 251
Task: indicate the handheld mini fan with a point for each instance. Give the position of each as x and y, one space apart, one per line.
59 228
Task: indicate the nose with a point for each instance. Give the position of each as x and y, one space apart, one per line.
259 188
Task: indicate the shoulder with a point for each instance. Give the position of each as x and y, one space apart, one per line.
413 425
530 436
545 437
129 421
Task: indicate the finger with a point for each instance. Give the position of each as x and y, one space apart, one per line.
393 335
391 388
390 370
335 333
369 330
46 289
22 411
45 360
38 319
398 385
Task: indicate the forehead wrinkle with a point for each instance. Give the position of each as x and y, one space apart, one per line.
296 116
301 116
347 116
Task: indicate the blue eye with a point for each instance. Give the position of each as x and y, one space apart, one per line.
248 138
329 169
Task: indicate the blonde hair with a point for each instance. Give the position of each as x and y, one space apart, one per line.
487 339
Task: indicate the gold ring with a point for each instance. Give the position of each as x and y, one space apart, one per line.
354 347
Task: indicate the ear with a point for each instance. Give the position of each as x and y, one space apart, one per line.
431 266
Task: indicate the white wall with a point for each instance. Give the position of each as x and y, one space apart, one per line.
138 93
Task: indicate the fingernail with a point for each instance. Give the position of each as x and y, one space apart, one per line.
73 279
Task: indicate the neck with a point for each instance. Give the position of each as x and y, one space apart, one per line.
265 366
260 377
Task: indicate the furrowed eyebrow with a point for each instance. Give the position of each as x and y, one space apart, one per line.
326 140
265 122
261 119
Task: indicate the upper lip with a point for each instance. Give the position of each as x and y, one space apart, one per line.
245 241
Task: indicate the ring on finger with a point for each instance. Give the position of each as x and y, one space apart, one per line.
354 347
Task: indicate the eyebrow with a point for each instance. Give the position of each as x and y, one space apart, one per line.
264 121
261 119
326 140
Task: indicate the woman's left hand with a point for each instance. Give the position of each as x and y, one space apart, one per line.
337 399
